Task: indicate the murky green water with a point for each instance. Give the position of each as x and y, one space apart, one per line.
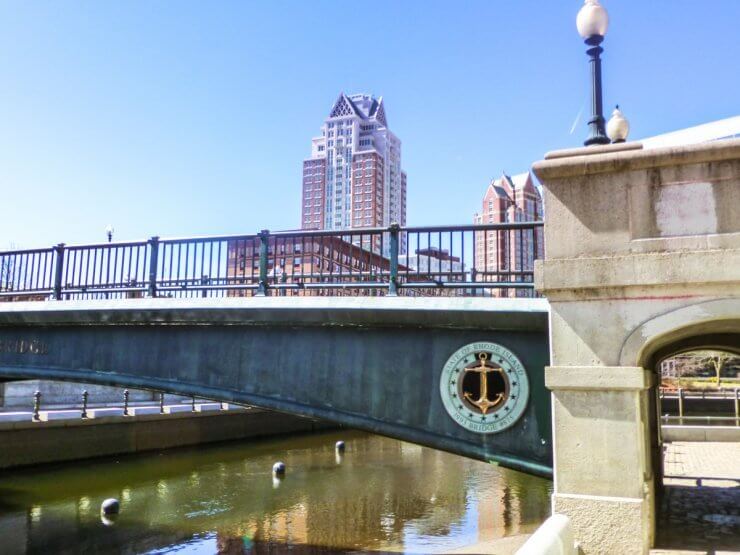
382 495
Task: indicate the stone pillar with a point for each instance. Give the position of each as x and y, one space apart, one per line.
632 236
603 471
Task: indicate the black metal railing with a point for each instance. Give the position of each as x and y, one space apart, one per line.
469 260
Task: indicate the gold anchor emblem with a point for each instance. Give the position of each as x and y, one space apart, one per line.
483 402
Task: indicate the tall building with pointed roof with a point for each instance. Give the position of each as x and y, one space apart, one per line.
353 178
500 256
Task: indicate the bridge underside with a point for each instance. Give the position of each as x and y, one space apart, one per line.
369 363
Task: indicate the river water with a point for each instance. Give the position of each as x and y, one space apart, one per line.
381 495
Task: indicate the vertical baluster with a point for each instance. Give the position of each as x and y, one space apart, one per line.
264 237
59 253
393 280
153 263
84 404
36 406
139 277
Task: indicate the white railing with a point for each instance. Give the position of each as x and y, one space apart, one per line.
554 537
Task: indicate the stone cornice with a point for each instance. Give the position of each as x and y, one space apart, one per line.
582 162
716 267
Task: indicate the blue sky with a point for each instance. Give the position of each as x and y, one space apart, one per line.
185 118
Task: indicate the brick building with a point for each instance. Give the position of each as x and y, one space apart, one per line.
305 261
302 260
499 256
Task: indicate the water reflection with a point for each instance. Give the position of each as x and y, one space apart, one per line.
380 495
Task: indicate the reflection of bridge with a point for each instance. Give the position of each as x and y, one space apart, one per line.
173 499
372 363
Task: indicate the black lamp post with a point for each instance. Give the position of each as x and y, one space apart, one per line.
592 22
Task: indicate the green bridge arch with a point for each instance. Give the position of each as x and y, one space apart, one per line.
371 363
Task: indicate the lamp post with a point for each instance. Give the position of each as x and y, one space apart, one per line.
592 22
109 232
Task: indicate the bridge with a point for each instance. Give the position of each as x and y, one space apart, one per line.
430 335
433 335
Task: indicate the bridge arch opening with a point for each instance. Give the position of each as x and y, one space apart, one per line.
694 406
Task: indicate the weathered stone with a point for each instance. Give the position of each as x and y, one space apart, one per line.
650 263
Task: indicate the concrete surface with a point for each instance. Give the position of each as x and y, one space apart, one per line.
700 506
29 443
701 433
650 266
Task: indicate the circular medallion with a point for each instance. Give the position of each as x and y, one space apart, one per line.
484 387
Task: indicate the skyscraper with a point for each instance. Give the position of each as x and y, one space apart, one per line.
354 177
500 256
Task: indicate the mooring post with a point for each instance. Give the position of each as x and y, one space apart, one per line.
264 236
84 404
393 281
36 406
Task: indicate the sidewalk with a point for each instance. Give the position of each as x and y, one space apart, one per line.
700 508
100 410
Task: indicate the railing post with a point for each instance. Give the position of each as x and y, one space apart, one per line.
84 404
737 403
59 273
204 280
36 406
393 281
680 404
125 402
153 262
264 236
161 403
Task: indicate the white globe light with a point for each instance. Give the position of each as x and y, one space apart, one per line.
592 19
618 127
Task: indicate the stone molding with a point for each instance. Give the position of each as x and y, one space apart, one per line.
593 149
627 160
597 378
639 270
713 316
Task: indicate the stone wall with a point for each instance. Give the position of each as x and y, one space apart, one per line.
18 395
29 443
642 257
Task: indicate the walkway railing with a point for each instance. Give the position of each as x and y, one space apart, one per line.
487 260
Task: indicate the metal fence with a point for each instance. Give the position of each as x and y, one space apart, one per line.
470 260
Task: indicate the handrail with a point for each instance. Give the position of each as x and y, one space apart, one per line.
470 259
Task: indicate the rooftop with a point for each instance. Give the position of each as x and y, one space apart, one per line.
728 128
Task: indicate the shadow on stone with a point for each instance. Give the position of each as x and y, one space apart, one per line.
699 518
